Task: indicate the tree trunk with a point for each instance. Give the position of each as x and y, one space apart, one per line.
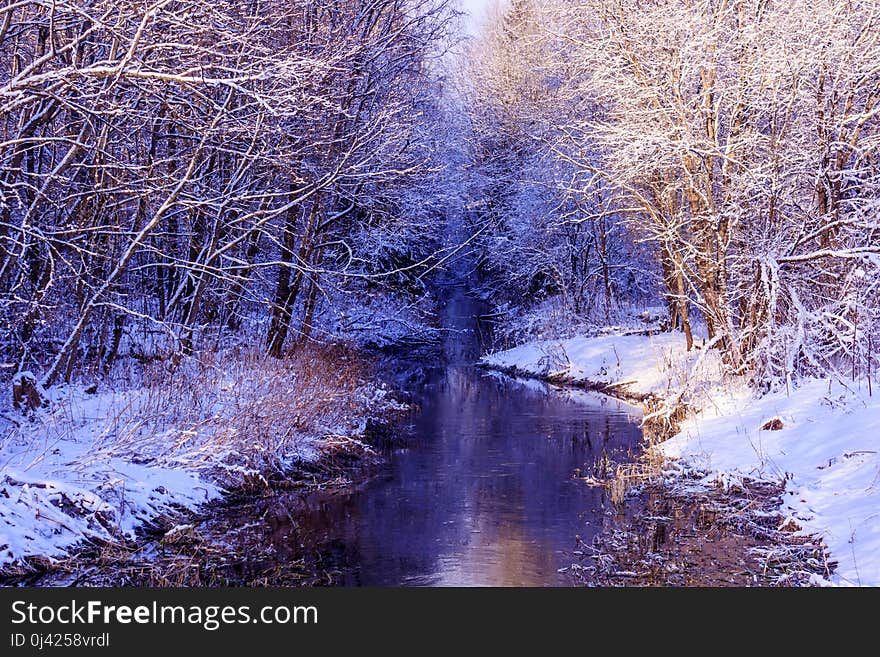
288 288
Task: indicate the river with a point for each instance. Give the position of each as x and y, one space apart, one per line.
481 489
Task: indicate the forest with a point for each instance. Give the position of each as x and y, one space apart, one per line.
181 174
176 175
220 220
722 156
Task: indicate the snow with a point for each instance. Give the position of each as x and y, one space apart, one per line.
639 364
96 467
827 451
63 480
21 377
583 398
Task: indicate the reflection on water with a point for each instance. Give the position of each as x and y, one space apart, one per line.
482 493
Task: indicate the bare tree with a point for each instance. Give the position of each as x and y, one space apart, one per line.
158 161
737 138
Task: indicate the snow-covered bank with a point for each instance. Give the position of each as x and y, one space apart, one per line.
825 445
827 450
630 365
96 467
62 486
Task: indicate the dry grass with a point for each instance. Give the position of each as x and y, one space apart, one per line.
629 476
241 414
677 536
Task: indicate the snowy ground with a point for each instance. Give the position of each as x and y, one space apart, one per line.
827 449
635 364
65 477
95 467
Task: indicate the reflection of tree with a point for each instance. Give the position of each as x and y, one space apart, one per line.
483 492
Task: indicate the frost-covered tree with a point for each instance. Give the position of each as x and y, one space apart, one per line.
175 171
737 139
550 233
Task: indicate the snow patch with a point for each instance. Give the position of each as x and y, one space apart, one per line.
828 451
640 364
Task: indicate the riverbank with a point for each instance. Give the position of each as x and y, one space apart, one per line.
98 470
818 442
675 532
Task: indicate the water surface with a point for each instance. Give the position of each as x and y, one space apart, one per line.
484 490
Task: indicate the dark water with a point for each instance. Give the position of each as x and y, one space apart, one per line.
483 492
